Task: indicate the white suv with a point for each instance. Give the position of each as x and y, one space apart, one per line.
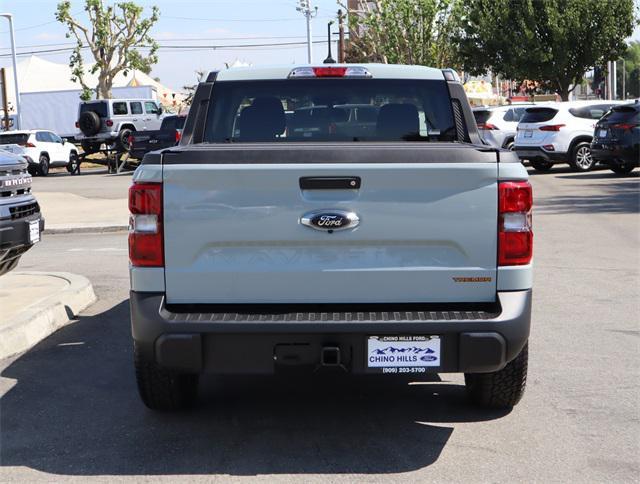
42 149
559 133
497 125
112 121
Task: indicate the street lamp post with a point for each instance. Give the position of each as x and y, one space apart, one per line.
15 67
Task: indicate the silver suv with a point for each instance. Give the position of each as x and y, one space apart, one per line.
112 121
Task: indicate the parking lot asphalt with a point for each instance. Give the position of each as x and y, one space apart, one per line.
69 409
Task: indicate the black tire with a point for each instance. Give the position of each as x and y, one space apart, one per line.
499 389
162 389
43 165
581 158
122 143
89 148
511 146
621 168
89 123
540 165
72 165
33 170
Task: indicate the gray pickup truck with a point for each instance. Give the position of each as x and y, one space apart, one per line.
21 222
264 244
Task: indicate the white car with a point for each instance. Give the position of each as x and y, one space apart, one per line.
560 133
497 125
42 149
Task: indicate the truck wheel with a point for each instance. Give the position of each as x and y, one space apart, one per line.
162 389
43 168
90 148
72 165
581 159
499 389
122 143
541 165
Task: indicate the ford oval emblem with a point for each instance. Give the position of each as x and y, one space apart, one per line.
330 220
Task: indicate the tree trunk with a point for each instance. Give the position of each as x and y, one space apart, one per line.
563 90
104 87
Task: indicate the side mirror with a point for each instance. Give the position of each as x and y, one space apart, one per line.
160 110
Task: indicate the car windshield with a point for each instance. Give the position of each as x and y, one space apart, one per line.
538 115
98 107
620 114
323 110
481 115
172 122
13 139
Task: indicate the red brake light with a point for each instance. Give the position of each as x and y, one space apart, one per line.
487 126
625 126
108 122
551 127
130 140
515 234
178 136
145 225
29 144
329 71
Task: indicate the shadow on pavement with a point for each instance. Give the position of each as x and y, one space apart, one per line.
74 410
618 196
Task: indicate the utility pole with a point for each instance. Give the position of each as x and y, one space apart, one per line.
15 68
309 13
609 68
341 36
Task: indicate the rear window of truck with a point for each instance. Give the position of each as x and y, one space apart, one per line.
171 123
538 115
321 110
100 108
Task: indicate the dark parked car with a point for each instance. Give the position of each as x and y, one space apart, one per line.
616 141
141 142
20 219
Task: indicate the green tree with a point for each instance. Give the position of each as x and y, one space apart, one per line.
551 41
632 68
404 32
114 37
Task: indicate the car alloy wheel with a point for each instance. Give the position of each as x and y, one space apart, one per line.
583 158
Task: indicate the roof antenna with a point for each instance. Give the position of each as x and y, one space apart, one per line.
329 59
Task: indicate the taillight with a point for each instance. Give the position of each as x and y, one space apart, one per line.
145 225
29 144
625 126
350 71
178 136
108 122
487 126
515 233
551 127
130 141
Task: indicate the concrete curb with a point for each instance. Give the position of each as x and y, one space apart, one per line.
38 321
84 229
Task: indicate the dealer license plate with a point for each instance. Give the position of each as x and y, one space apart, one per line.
402 354
34 231
602 133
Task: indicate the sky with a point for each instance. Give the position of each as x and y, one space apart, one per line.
185 23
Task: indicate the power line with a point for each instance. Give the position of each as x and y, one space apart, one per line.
179 47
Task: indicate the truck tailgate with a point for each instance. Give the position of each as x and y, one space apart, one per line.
427 230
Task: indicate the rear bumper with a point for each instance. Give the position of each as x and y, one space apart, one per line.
234 343
610 153
537 153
